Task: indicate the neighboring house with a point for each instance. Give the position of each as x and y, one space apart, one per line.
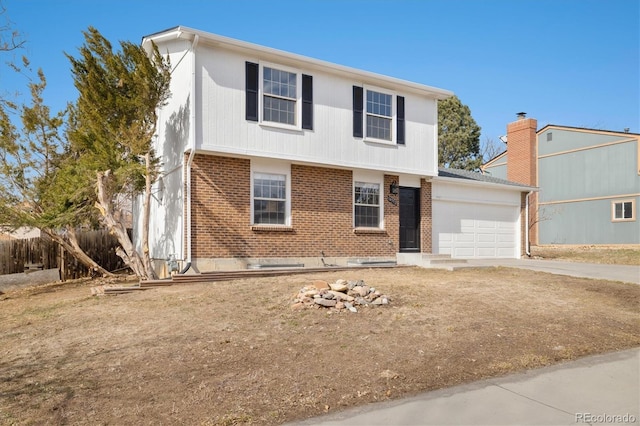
22 233
588 180
271 157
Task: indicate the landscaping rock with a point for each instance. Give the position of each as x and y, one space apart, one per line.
339 296
325 302
340 285
321 285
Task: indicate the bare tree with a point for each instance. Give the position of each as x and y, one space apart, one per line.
10 38
490 149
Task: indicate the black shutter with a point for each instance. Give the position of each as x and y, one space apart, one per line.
251 84
307 102
400 120
357 111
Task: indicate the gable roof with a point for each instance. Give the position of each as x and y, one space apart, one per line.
585 129
186 33
469 176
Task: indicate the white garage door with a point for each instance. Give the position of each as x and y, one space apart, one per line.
475 231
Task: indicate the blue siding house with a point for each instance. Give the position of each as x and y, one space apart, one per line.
588 180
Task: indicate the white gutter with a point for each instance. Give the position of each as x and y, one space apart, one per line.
192 153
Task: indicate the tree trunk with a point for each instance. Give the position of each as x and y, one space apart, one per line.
72 247
146 212
127 251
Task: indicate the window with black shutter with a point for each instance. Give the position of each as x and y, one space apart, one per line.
357 111
400 120
251 84
307 102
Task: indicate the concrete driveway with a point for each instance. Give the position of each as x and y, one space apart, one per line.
624 273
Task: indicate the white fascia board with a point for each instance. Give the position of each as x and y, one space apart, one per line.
470 182
311 63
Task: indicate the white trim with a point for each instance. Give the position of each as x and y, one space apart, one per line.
298 112
294 59
623 219
470 201
366 176
393 116
278 168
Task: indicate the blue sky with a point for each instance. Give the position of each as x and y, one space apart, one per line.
566 62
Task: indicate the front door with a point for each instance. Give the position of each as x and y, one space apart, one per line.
409 219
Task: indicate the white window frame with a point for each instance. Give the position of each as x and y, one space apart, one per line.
393 117
368 178
261 95
272 168
623 202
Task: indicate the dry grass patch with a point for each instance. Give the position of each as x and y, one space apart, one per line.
236 353
590 254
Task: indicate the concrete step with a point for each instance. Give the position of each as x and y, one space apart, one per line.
440 259
429 260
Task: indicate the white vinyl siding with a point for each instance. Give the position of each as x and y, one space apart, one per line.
225 129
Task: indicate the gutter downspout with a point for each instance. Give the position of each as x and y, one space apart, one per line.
527 249
192 153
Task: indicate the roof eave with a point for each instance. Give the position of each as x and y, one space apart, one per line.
187 33
472 182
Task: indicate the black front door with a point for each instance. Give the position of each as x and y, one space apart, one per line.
409 219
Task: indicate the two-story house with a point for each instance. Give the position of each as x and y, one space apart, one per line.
588 180
269 156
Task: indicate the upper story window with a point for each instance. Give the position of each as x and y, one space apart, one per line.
279 96
623 211
378 115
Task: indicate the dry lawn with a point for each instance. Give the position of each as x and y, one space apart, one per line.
629 255
236 353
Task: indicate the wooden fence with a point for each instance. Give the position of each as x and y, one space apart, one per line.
15 255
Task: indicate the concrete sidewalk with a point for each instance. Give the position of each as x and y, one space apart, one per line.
624 273
601 389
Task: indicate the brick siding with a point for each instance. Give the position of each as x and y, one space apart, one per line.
521 144
522 164
321 214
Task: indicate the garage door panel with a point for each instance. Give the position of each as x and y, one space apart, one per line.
486 252
506 238
465 230
485 224
486 238
463 252
464 238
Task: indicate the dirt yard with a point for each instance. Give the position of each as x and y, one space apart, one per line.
236 353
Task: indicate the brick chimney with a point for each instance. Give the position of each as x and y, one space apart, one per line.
522 167
521 150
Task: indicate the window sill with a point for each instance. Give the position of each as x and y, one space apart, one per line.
369 231
274 125
380 141
272 228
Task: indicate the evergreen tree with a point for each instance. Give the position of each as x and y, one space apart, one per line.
29 165
458 136
110 130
